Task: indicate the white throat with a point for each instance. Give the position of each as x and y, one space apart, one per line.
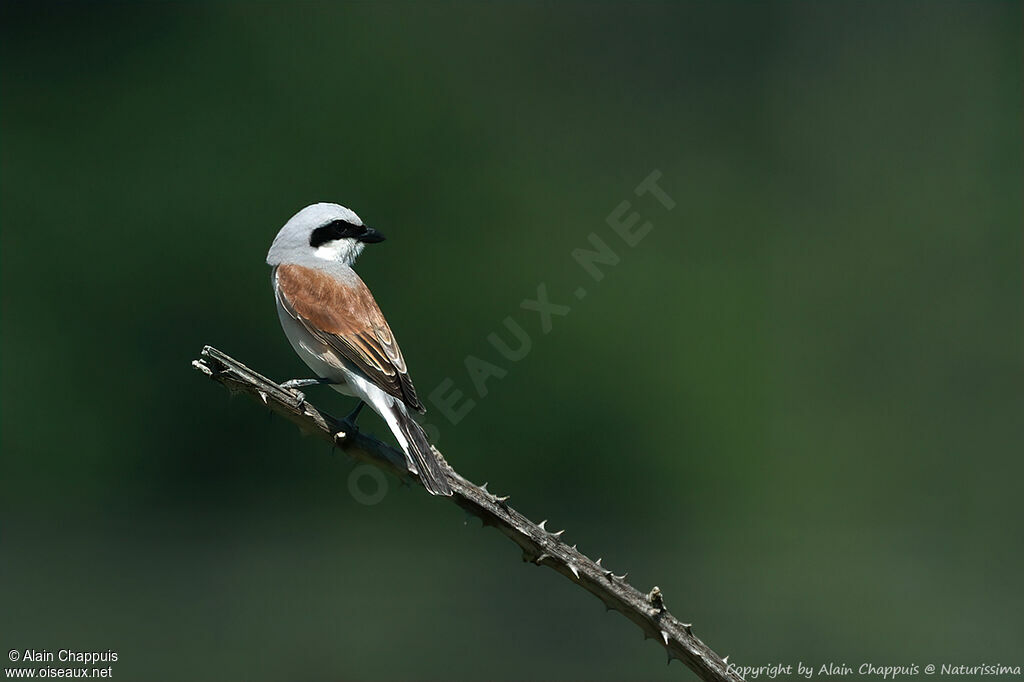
340 250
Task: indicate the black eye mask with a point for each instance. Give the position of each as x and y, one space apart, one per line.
341 229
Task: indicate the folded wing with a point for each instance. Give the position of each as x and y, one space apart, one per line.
344 316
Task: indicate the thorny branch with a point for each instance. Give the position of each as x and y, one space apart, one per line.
538 544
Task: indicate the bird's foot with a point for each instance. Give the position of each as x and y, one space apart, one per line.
302 383
293 384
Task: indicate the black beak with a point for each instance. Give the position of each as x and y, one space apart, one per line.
370 236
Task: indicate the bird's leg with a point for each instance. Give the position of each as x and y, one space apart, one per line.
294 384
351 417
349 422
302 383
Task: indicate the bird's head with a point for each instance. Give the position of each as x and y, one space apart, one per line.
328 231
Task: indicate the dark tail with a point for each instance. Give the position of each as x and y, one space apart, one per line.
423 457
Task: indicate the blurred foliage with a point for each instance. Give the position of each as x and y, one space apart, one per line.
796 404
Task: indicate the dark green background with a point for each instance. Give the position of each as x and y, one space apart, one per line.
796 405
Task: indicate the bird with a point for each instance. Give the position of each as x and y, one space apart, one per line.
336 327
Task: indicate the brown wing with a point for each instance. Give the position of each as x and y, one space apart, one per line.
345 317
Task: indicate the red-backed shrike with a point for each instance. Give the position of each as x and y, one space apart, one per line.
336 327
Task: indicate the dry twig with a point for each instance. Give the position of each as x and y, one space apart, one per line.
539 545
